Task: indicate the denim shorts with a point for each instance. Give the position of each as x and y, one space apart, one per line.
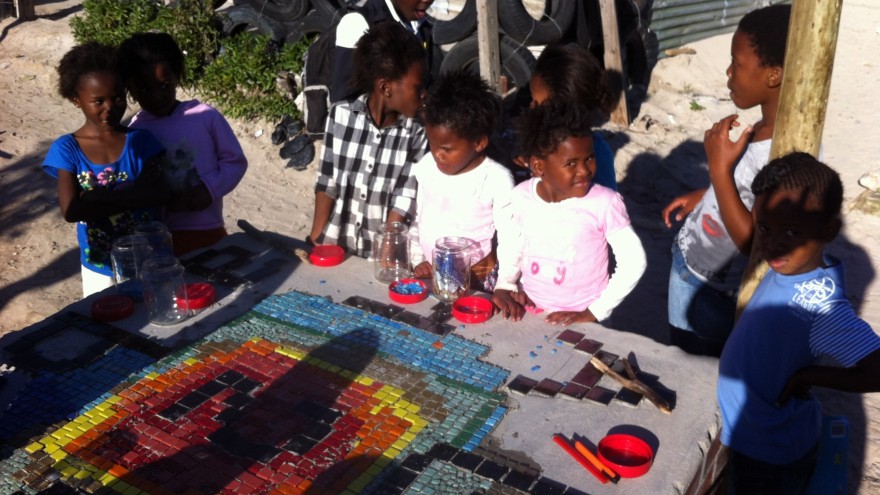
696 307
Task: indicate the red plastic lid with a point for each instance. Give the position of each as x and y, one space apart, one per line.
472 309
113 307
327 255
404 291
199 295
627 455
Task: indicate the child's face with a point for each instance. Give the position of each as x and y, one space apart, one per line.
453 154
413 10
750 83
791 230
406 93
156 89
568 171
101 97
540 91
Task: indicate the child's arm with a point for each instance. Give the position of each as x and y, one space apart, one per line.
630 265
723 155
684 204
510 301
861 378
326 185
222 179
150 189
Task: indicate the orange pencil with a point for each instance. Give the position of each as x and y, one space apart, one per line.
614 477
562 442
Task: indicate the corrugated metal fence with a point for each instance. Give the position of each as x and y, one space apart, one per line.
678 22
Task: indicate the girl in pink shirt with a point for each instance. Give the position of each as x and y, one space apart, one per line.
556 259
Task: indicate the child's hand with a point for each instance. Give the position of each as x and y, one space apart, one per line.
684 204
795 387
569 317
423 270
198 198
721 152
509 305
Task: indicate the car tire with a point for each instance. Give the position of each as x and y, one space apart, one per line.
517 62
458 28
517 23
280 10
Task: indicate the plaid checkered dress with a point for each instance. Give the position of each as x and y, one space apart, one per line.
367 171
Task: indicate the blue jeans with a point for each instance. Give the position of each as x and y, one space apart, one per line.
747 476
700 316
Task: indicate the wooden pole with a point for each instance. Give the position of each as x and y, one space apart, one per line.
24 9
487 42
613 63
803 99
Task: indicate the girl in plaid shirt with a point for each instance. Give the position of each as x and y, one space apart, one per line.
371 142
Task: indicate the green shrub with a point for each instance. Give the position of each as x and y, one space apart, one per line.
241 82
242 79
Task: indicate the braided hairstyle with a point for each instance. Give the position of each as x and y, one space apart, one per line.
801 171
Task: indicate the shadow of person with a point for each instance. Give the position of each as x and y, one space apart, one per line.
651 182
64 266
263 419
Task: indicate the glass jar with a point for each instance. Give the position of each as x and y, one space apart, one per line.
127 257
158 236
162 278
391 253
451 267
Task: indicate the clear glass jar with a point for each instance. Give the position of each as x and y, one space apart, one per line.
391 253
451 267
127 256
158 236
162 278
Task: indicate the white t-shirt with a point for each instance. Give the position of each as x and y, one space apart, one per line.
473 205
703 239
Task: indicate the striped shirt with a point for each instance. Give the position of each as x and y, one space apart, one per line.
367 171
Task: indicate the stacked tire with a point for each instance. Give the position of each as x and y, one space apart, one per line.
578 21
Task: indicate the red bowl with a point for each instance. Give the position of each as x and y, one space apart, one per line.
327 255
472 309
628 456
409 283
197 296
113 307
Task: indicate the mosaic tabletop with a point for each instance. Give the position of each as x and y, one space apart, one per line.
301 394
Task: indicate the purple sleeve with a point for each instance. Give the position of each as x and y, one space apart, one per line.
231 162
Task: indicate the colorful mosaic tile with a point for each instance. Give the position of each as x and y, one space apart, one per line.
298 395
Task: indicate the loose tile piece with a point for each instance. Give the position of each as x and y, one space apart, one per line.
628 397
574 391
588 376
547 387
600 394
588 346
522 385
606 357
570 336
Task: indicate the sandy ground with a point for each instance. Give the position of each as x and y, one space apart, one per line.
657 158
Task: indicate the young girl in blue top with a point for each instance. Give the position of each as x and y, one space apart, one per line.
108 175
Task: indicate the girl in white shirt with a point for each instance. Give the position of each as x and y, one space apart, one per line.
461 191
